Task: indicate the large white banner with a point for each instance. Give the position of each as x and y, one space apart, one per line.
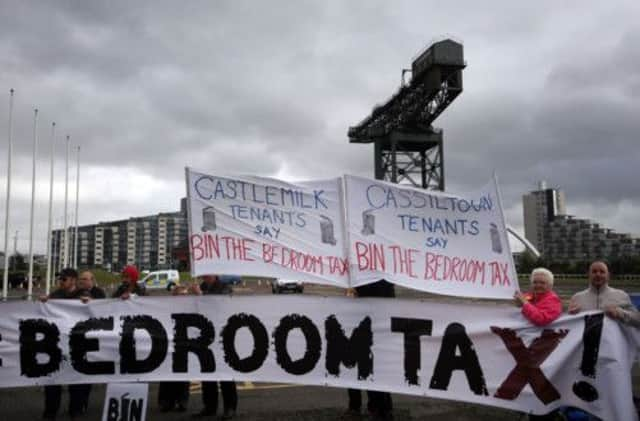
485 354
429 241
267 227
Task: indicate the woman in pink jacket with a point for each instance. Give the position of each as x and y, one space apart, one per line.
541 306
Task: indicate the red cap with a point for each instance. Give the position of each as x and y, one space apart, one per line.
131 272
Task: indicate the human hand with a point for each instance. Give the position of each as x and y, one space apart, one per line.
195 289
43 298
614 312
574 308
519 299
85 299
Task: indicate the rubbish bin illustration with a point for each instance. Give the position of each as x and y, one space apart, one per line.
208 219
368 223
496 244
326 230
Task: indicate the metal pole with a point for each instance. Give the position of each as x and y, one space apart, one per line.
33 200
75 237
66 202
5 278
49 226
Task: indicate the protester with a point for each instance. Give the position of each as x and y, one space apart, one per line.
541 306
87 290
211 285
129 285
174 395
600 296
53 394
379 404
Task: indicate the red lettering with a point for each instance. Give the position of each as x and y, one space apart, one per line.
196 247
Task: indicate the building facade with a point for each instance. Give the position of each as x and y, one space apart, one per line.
147 242
541 207
564 238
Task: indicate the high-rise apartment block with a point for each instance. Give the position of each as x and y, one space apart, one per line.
564 238
541 207
147 242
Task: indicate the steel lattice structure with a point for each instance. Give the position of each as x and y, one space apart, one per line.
408 149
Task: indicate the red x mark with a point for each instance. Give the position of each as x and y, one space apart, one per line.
528 361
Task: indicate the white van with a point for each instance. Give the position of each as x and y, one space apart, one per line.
161 279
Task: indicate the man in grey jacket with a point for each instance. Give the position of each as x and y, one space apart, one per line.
600 296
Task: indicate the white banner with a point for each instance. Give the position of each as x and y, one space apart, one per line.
266 227
429 241
125 401
484 354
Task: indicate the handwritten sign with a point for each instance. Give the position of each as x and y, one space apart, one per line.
430 241
267 227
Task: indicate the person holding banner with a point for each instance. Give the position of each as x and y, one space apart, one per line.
53 394
174 395
211 285
129 285
87 290
541 306
600 296
379 404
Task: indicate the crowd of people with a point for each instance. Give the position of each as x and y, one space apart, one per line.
540 306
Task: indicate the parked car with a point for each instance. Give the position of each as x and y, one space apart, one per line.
161 279
281 285
230 279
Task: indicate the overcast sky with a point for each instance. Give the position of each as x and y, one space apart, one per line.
551 91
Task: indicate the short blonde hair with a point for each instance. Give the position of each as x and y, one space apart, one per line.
545 272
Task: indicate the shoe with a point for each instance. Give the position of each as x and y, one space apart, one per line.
228 414
204 413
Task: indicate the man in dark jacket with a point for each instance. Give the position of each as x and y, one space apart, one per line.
379 404
211 285
53 394
87 287
87 290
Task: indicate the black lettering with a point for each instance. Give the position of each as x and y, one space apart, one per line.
591 340
80 345
30 347
260 342
135 412
412 329
313 344
159 344
199 345
112 410
354 350
455 339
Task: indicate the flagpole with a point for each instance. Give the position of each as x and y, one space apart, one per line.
33 200
5 278
75 236
49 226
66 202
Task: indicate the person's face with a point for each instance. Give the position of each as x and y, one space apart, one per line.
598 274
539 284
67 283
85 281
